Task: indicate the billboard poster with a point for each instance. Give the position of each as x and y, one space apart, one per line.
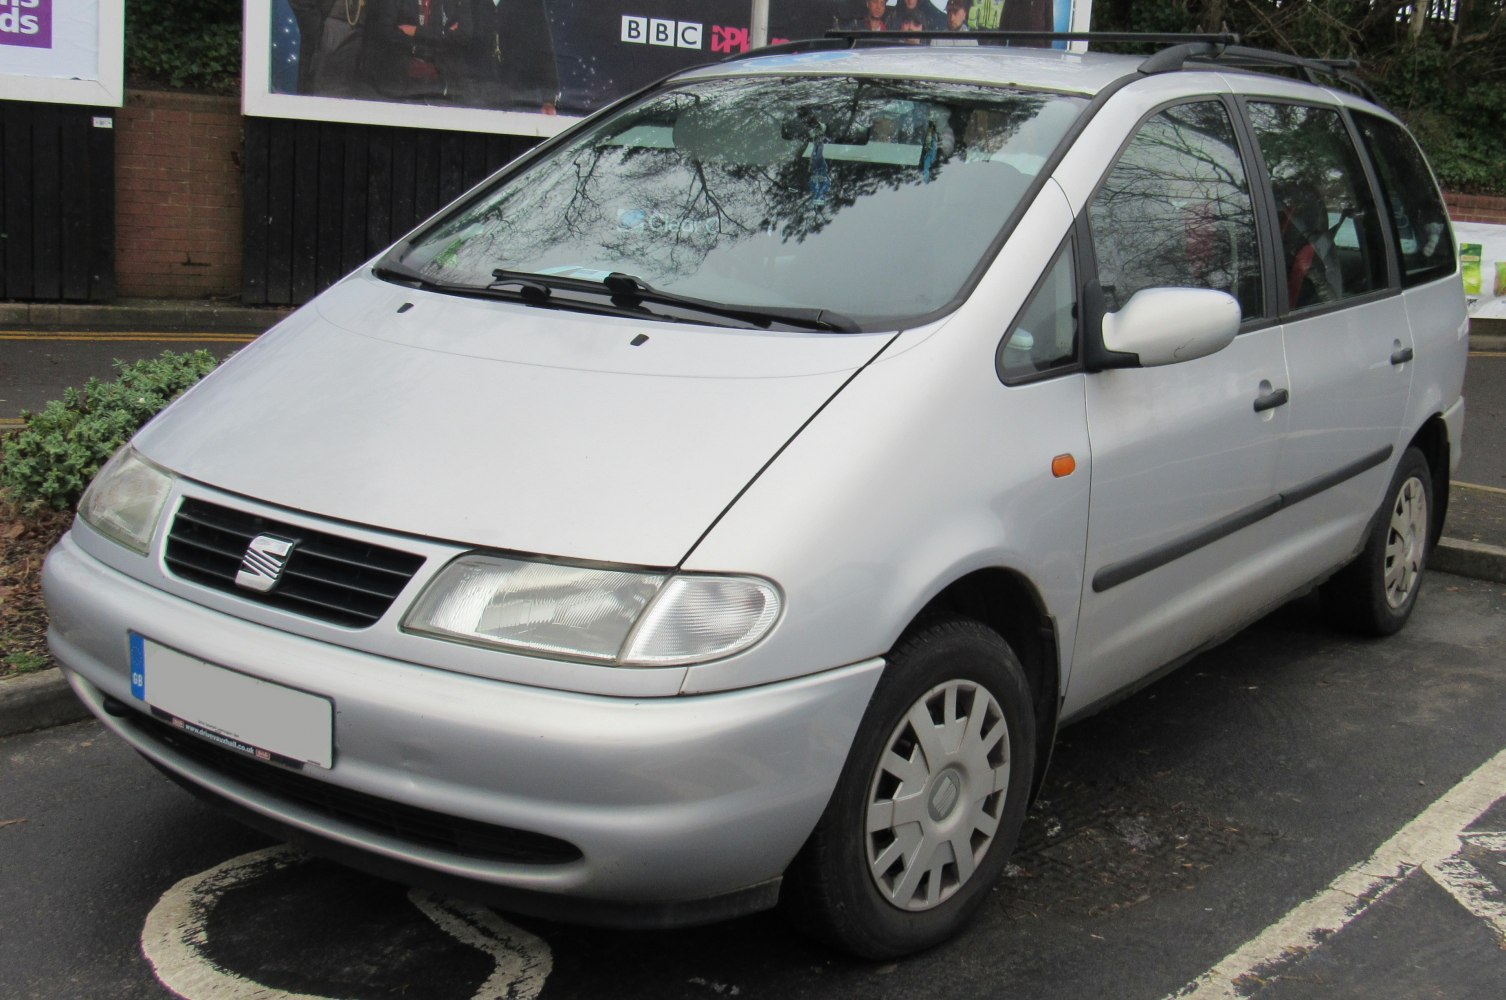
62 51
532 66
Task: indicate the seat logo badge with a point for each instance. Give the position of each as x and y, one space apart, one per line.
944 794
262 566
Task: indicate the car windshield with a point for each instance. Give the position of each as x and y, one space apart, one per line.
873 199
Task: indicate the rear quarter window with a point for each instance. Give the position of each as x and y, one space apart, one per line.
1419 221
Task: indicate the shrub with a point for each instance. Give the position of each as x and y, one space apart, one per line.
185 43
50 461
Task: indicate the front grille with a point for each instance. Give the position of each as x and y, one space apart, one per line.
328 577
410 824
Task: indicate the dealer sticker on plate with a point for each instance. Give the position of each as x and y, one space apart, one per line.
245 714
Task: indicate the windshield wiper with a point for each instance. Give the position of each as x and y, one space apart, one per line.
628 293
528 285
528 289
629 289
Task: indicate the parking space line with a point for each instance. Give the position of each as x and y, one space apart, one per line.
1477 486
1425 843
1472 890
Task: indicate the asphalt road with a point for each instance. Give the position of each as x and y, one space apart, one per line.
1176 829
1477 503
1484 460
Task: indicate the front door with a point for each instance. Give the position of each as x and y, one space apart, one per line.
1184 456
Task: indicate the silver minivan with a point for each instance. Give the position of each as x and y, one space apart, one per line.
725 504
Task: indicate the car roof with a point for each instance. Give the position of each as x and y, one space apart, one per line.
1043 69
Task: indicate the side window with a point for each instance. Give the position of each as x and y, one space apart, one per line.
1044 337
1419 221
1175 211
1331 239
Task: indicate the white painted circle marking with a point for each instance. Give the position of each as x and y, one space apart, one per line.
175 933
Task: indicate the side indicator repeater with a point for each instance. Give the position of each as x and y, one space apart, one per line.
1063 465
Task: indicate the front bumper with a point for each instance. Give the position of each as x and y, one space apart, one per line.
668 801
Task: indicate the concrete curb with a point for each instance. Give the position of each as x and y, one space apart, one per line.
38 701
1472 559
145 315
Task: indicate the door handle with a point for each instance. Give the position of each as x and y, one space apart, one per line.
1402 356
1271 400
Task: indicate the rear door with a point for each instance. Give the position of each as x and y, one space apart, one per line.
1349 347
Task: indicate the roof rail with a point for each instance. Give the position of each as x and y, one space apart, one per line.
1005 37
799 45
1236 56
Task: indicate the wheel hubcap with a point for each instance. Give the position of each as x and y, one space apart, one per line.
937 795
1406 542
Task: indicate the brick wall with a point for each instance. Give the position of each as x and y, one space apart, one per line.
178 196
1475 207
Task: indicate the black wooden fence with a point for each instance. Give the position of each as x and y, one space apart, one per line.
57 202
322 197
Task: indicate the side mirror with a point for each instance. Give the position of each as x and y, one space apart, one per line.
1166 326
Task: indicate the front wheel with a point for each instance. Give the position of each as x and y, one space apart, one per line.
931 799
1375 594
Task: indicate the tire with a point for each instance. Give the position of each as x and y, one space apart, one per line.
948 741
1374 594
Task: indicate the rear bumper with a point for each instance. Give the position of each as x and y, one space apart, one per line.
1453 419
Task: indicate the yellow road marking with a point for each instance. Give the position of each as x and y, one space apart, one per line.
1477 486
104 338
1487 354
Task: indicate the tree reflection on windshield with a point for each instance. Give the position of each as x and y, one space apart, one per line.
872 198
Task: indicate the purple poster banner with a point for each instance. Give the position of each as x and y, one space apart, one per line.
26 22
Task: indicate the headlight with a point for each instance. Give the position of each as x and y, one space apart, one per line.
626 617
125 500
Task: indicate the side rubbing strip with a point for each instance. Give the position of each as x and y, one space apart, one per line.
1335 477
1113 576
1122 572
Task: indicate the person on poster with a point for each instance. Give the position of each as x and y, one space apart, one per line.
1028 15
956 20
339 61
915 12
875 17
503 58
416 37
1015 15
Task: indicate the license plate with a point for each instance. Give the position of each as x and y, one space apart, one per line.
245 714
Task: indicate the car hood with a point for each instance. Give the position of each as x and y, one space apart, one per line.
502 425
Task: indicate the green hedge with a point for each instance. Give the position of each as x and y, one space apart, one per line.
192 44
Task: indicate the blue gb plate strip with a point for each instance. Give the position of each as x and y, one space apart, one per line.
138 667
